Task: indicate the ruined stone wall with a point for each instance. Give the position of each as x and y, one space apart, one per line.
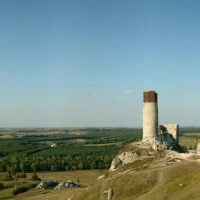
170 128
150 116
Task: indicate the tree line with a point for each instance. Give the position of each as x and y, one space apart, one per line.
63 157
33 152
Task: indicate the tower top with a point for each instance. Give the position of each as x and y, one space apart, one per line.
149 96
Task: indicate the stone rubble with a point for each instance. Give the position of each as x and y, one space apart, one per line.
56 185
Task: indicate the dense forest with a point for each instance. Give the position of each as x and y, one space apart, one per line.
94 149
87 148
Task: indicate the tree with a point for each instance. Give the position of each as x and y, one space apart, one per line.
99 166
67 167
3 167
92 165
1 185
74 167
35 177
9 175
78 181
80 165
33 166
54 167
13 170
23 175
23 166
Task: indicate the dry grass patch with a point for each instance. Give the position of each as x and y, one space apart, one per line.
86 177
158 183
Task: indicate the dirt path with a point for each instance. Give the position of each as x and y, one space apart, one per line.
103 188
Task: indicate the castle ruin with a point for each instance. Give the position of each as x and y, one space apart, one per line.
160 137
150 116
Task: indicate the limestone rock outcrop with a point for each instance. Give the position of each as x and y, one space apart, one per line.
198 149
126 158
110 193
101 177
116 163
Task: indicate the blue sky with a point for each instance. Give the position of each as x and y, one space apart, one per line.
80 63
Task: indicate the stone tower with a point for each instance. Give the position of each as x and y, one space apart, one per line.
150 116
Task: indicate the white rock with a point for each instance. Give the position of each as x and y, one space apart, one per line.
198 149
101 177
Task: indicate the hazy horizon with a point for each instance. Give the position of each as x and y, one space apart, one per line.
91 127
87 63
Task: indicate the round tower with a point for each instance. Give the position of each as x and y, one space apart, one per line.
150 116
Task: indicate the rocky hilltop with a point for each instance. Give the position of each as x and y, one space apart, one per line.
139 172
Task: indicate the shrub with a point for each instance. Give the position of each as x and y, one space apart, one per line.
9 176
35 177
23 175
1 185
17 176
23 189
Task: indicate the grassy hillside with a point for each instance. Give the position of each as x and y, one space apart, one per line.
178 181
142 180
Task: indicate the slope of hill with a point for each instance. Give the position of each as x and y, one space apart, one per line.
160 177
157 175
